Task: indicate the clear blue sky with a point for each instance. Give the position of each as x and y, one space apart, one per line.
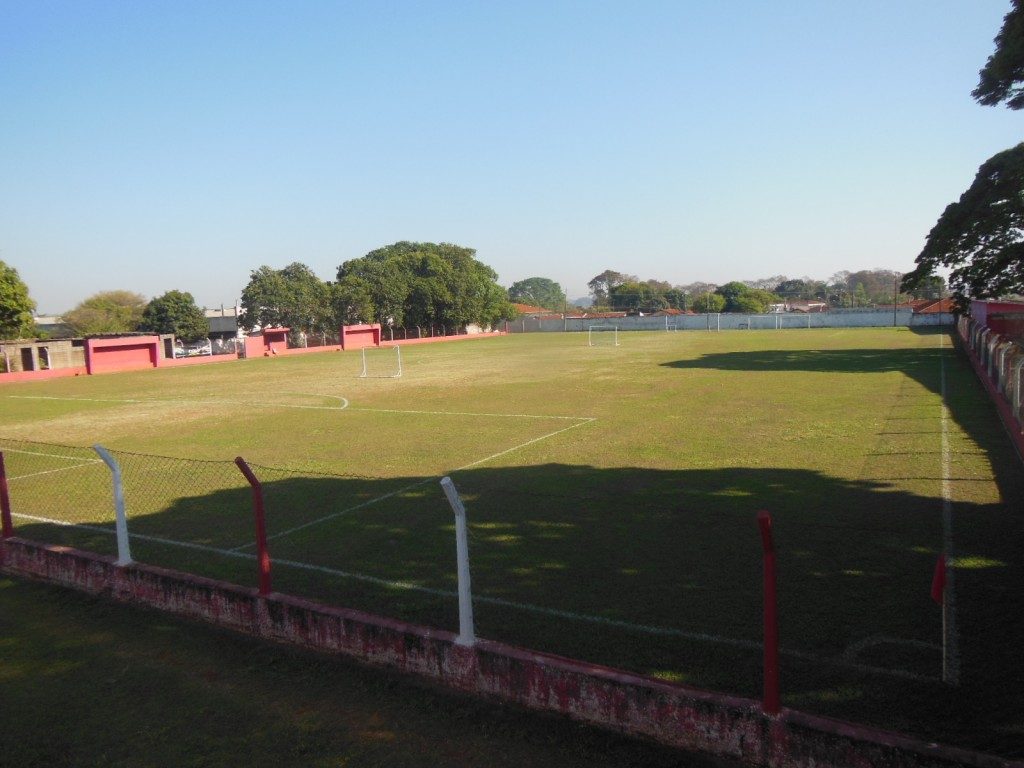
151 146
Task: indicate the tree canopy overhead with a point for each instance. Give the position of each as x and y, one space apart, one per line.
981 236
16 307
424 284
539 292
1000 80
106 312
175 312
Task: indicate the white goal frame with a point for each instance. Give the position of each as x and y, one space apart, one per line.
602 329
397 370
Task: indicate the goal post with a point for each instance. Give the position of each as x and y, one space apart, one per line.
603 336
381 363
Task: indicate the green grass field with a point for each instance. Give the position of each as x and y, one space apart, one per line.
611 493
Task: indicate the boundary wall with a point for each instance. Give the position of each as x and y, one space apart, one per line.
675 715
998 362
723 321
136 353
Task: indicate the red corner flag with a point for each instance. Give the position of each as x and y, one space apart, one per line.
939 579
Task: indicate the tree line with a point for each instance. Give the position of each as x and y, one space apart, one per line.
616 291
442 285
400 285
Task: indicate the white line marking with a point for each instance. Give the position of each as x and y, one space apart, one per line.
950 634
521 445
648 629
467 413
47 455
417 484
51 471
344 405
255 403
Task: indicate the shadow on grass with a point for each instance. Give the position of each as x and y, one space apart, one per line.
655 571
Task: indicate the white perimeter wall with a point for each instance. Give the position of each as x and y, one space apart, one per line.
852 318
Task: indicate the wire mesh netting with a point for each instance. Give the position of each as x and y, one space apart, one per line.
628 570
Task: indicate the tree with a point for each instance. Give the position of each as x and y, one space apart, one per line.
425 284
740 297
601 285
791 289
1001 77
16 307
292 297
932 287
634 296
538 291
352 300
175 312
106 312
981 236
708 302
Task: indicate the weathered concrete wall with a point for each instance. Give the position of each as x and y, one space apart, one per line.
675 715
851 318
49 354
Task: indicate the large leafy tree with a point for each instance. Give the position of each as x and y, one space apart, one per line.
106 312
423 284
292 297
602 285
634 296
538 291
740 297
981 236
708 301
175 312
16 307
1001 77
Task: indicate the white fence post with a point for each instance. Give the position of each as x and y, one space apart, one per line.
124 555
466 635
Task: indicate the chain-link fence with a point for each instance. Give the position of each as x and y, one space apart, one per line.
617 554
658 572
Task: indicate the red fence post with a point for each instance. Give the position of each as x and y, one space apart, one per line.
772 703
5 502
262 556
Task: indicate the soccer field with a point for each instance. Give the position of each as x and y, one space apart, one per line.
611 495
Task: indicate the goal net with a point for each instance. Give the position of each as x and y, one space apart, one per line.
603 336
381 363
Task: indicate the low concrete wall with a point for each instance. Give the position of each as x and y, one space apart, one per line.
41 375
675 715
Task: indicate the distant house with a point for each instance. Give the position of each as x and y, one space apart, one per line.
527 310
53 326
805 305
932 306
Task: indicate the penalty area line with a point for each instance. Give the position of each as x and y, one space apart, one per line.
412 486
